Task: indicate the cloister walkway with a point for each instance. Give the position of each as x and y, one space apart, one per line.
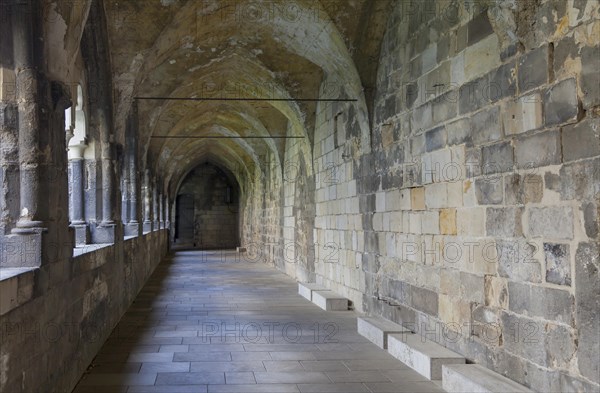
208 322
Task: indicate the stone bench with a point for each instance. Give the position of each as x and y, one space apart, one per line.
305 289
377 329
466 378
423 356
329 301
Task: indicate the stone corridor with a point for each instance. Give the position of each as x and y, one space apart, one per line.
212 322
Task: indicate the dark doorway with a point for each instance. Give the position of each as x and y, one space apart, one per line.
184 217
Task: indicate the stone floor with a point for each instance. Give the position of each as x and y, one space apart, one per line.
206 322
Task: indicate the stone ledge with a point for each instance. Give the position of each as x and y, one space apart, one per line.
306 289
467 378
16 287
329 301
423 356
377 329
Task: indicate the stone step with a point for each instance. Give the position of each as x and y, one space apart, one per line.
424 356
377 329
330 301
305 289
471 378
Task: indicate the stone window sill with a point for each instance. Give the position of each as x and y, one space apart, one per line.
16 287
80 250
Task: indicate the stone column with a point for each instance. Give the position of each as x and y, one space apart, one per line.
28 99
76 170
147 203
155 202
105 232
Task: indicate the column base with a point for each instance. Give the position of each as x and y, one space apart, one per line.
104 234
82 234
148 226
132 229
22 249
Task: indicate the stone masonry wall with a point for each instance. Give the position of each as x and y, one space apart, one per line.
472 215
50 340
484 232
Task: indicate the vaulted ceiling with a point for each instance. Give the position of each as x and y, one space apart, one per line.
282 50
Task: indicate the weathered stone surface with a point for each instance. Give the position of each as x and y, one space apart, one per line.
587 300
486 126
535 301
551 222
533 69
574 179
478 28
497 158
538 150
591 222
558 263
496 292
504 222
435 139
561 104
489 190
581 140
447 221
524 189
590 79
518 260
424 300
459 132
522 115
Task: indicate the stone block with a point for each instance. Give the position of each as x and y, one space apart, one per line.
306 289
489 190
470 221
472 95
423 356
504 222
496 292
538 150
524 337
445 106
523 114
430 222
535 301
461 378
590 77
574 180
478 28
447 220
552 222
558 263
459 132
517 260
581 140
436 196
417 197
560 103
587 295
497 158
435 139
523 189
502 82
486 126
377 330
429 58
533 69
482 57
424 299
329 301
590 216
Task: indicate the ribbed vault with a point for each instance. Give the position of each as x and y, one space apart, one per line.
281 50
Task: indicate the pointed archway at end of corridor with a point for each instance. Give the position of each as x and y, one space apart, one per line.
207 209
